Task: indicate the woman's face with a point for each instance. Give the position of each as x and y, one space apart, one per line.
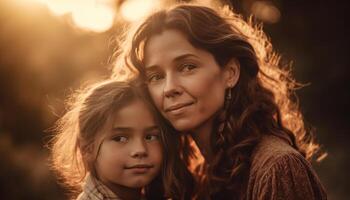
186 83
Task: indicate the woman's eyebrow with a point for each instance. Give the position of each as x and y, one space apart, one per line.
151 68
184 56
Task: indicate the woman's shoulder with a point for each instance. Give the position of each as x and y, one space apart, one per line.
275 155
271 149
280 171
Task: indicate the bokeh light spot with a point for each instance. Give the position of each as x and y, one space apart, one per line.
133 10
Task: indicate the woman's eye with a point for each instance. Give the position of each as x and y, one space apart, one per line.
188 67
120 139
152 137
154 77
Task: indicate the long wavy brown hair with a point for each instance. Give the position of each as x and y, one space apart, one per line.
89 113
263 101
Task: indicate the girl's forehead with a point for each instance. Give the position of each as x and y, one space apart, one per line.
135 115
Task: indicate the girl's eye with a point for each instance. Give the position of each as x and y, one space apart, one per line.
188 67
154 77
152 137
120 139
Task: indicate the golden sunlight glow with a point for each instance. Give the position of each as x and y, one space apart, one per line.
60 7
133 10
92 15
57 7
266 11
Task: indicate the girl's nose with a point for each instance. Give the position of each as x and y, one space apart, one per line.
139 150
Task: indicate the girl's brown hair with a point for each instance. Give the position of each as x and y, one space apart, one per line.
88 114
263 100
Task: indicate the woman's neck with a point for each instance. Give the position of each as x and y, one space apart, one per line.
202 137
124 192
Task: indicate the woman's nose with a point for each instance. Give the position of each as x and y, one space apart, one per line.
172 87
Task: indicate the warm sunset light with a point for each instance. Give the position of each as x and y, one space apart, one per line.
94 17
133 10
91 15
266 12
60 7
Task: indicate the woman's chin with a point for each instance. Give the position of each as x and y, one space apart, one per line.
191 125
183 126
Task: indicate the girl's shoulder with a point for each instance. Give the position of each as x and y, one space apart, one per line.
88 196
93 189
278 171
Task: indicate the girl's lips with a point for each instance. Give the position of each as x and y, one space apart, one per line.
138 166
139 169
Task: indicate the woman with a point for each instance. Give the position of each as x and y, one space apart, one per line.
216 79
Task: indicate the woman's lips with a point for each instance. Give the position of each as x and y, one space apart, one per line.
177 108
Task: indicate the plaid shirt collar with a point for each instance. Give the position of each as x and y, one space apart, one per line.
95 189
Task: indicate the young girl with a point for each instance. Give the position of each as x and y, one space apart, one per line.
110 145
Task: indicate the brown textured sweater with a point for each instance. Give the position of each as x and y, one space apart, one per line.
279 172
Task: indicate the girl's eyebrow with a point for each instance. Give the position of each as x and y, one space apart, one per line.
121 129
152 128
128 129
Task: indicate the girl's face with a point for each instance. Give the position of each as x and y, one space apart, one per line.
186 83
130 155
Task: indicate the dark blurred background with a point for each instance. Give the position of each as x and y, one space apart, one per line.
49 47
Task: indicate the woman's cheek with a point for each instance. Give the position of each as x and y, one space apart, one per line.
157 96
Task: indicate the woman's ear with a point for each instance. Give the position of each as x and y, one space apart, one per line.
232 72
